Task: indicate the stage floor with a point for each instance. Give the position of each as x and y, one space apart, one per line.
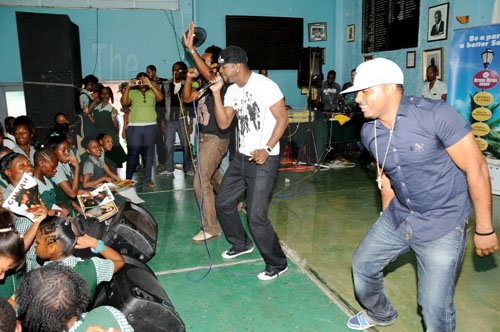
321 217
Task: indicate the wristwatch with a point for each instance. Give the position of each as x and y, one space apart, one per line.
269 149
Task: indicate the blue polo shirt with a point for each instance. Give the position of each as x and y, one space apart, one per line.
431 191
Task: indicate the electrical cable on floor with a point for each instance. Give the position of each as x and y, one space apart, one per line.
200 205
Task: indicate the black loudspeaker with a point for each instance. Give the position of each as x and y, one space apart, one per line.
133 232
310 67
49 46
139 296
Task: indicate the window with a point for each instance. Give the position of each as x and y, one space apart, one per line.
100 4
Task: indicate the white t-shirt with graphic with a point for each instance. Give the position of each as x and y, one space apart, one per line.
252 104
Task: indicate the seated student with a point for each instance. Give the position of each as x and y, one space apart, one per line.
24 132
11 255
12 168
3 152
106 143
45 169
55 241
8 321
67 177
54 298
95 171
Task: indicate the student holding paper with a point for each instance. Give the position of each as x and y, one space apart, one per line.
12 168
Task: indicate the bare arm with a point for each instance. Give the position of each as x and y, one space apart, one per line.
110 173
467 156
29 236
158 95
89 183
203 68
223 115
71 189
125 99
87 241
188 95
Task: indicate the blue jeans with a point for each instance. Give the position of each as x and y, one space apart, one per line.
438 263
172 128
141 141
257 180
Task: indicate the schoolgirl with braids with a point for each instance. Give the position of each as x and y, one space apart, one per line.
12 168
45 169
67 175
11 255
55 298
55 241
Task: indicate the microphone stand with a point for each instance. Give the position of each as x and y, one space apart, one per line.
309 143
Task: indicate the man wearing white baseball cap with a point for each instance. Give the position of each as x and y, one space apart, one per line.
428 163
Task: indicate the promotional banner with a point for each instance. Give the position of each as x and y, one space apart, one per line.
474 89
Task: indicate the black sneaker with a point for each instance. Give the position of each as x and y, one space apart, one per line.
270 275
231 253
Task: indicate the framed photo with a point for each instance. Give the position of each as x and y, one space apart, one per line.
367 57
351 33
435 57
411 59
437 22
317 31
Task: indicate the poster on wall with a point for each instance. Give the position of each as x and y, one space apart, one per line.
474 89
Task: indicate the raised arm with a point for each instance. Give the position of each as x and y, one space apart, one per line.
203 68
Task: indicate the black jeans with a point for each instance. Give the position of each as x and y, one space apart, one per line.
257 180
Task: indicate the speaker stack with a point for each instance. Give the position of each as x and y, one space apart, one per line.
137 293
310 67
49 46
133 232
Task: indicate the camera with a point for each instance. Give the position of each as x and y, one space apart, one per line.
138 82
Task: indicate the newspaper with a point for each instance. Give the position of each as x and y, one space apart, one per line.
24 196
99 204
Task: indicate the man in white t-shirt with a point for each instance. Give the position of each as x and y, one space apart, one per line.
259 105
434 88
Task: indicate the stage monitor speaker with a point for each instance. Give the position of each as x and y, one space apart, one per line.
49 46
133 232
139 296
310 67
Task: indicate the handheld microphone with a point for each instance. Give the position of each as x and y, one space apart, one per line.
204 89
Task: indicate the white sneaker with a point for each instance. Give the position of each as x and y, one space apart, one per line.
165 172
266 275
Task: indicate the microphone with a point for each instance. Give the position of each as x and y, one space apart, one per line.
204 89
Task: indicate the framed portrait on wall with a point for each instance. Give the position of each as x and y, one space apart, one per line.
437 22
367 57
317 31
411 59
351 33
435 57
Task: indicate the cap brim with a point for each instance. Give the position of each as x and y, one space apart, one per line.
354 88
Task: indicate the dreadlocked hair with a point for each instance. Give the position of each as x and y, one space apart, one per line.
11 244
58 230
7 316
48 297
